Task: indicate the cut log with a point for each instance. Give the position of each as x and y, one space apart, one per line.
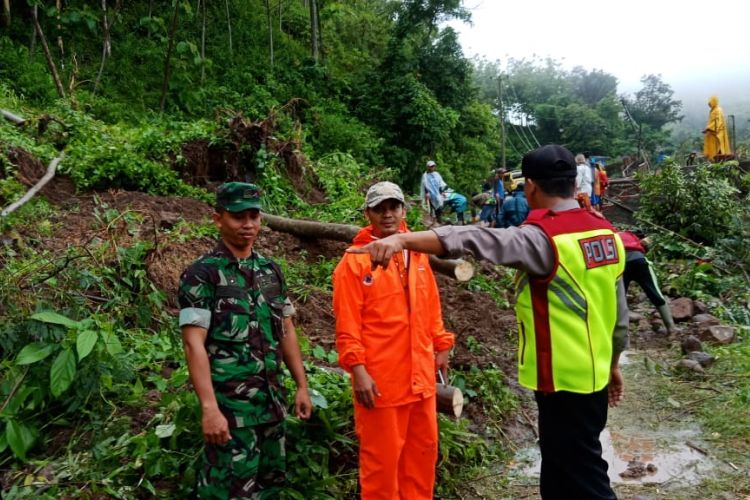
312 229
450 400
34 190
458 269
12 117
455 268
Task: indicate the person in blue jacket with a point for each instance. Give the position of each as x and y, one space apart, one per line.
515 208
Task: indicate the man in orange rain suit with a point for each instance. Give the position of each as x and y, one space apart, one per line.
390 337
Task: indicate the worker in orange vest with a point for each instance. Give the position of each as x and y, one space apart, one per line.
391 339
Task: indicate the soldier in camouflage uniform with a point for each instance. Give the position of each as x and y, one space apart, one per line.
236 327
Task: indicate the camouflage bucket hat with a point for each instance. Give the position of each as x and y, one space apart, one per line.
238 196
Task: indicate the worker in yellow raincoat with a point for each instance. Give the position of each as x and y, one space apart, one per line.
716 142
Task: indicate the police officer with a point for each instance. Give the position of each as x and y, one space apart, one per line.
571 310
236 327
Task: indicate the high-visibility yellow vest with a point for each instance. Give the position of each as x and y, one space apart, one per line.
566 320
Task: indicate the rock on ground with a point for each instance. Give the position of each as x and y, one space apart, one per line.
682 308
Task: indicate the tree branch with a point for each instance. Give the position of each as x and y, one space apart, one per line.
34 190
12 117
48 54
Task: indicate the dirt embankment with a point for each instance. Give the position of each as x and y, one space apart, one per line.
482 329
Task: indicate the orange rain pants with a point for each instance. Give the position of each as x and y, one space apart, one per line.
398 450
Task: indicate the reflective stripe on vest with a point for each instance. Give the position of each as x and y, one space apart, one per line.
566 320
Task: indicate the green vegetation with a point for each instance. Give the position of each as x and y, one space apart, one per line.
707 211
498 285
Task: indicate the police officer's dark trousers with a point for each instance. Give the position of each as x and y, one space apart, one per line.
569 428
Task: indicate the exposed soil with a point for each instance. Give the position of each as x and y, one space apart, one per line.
236 158
80 220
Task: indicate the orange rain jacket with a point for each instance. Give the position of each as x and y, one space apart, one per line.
394 336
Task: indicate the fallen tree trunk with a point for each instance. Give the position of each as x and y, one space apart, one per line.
13 118
51 169
458 269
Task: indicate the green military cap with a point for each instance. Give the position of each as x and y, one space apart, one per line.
238 196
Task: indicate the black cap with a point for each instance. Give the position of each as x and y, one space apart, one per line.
548 162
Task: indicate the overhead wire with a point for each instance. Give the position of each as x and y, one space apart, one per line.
523 141
515 95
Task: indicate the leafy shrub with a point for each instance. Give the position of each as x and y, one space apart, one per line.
321 453
28 77
334 130
699 204
495 284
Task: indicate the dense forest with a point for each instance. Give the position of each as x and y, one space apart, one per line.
384 81
149 104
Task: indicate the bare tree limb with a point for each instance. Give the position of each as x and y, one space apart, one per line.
60 44
34 190
229 27
6 12
314 26
48 54
14 389
12 117
106 43
32 45
203 45
269 19
168 57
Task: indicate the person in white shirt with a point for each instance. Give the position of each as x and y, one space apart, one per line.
431 190
583 182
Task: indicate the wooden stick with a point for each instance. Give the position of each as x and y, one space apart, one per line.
34 190
48 54
531 423
696 447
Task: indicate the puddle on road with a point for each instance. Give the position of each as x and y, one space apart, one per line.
624 358
668 451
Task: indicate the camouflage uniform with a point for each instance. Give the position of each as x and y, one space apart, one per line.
241 302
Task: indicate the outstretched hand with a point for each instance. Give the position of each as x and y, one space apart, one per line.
381 251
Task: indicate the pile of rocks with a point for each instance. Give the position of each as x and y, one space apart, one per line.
699 327
707 327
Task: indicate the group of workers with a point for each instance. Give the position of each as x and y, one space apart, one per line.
591 183
237 328
497 207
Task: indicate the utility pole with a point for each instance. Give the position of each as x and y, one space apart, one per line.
502 118
733 138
